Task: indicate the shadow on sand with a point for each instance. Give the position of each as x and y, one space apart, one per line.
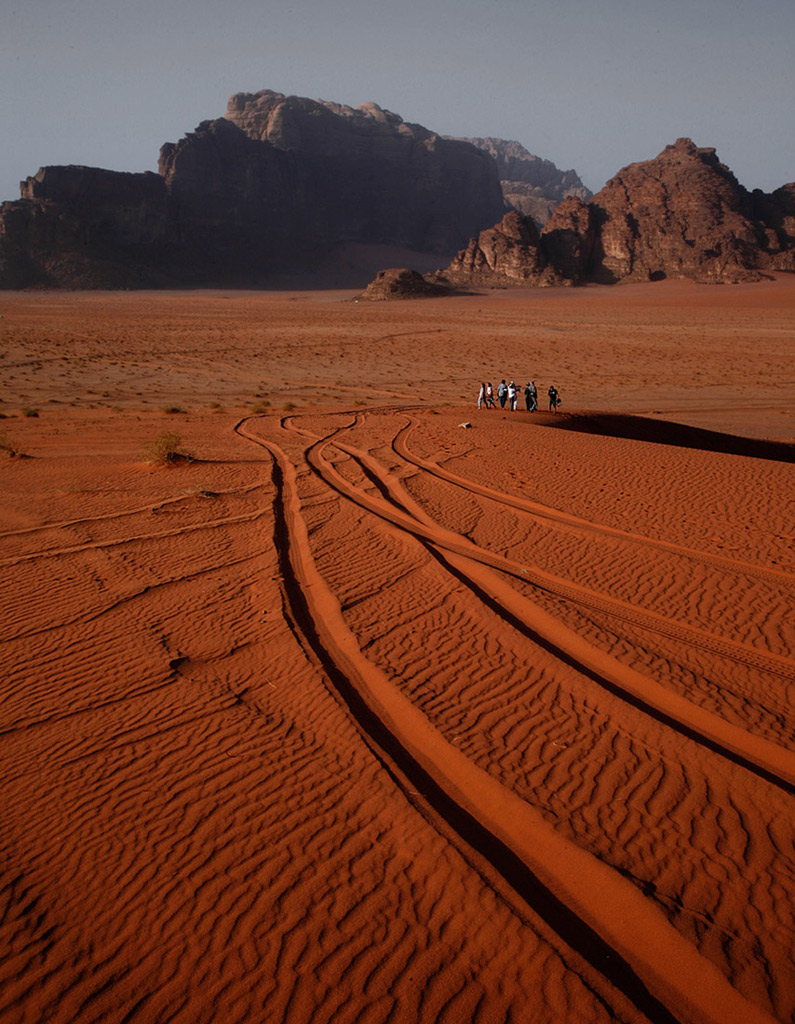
638 428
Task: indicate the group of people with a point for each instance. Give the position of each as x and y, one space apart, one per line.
509 394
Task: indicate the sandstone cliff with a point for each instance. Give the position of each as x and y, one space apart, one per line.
367 175
530 185
681 215
235 204
274 187
282 184
84 227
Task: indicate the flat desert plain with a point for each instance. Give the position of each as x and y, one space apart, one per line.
350 712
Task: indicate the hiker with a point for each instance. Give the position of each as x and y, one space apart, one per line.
482 396
531 396
490 403
554 401
502 393
512 396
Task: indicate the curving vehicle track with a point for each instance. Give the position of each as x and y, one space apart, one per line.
369 723
604 907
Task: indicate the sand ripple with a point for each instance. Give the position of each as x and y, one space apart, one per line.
383 730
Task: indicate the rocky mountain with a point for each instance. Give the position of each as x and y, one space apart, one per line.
681 215
274 186
284 185
684 214
530 185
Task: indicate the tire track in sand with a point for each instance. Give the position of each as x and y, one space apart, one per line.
772 762
767 661
63 524
535 508
102 545
595 909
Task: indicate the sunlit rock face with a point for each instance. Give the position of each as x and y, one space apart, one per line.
685 215
681 215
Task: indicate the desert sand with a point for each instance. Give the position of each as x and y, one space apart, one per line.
357 714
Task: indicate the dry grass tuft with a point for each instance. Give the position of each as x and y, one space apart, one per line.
166 448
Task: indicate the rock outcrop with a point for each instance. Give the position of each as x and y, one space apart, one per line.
508 254
681 215
273 187
685 215
401 283
530 185
569 238
84 227
281 184
234 205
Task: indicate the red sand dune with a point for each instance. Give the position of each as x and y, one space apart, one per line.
358 715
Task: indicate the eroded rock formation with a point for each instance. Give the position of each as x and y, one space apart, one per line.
281 184
508 254
684 214
401 283
530 185
364 174
83 227
274 186
681 215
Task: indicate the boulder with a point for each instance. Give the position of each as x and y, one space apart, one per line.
401 283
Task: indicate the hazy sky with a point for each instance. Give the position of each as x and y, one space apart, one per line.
588 84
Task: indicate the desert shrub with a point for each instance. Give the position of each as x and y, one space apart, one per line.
6 447
260 406
166 447
27 411
288 406
170 409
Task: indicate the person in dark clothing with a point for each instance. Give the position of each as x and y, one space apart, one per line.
531 396
502 393
554 401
